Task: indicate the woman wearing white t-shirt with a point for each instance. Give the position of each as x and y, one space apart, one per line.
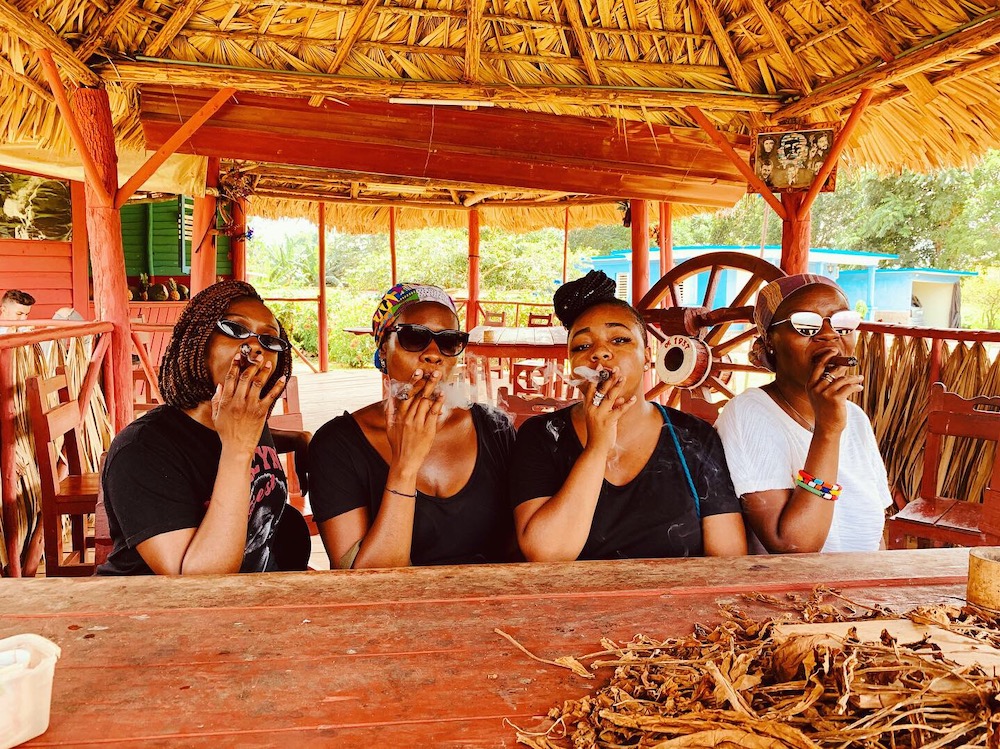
803 458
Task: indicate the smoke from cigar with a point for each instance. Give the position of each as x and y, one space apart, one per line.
842 361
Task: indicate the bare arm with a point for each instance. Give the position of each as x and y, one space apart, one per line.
216 546
724 535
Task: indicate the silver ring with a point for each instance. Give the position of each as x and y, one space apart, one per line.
598 398
829 377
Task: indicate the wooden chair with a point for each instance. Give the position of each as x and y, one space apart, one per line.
531 376
494 366
694 404
73 496
539 320
290 419
521 409
953 521
494 319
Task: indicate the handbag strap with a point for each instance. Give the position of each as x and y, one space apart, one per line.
680 454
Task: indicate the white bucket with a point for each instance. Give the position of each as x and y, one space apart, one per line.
27 664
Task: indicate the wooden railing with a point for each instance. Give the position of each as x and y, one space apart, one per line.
12 395
495 305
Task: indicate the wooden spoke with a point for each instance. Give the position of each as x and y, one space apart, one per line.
720 386
711 286
737 340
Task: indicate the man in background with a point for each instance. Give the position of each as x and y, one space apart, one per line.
15 305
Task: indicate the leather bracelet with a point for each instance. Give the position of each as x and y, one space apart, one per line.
401 494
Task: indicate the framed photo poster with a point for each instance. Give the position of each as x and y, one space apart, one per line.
789 160
34 207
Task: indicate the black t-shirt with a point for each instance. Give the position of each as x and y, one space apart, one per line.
653 515
474 525
159 476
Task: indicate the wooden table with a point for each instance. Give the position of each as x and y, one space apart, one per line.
518 343
394 658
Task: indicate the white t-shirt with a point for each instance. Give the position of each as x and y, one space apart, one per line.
766 448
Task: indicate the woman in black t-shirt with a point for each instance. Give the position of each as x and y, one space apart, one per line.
408 480
616 476
195 486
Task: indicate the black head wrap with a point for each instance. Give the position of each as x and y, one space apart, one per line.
574 297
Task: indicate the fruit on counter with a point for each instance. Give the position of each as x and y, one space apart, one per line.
158 293
172 292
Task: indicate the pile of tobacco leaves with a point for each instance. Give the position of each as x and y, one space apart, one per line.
742 685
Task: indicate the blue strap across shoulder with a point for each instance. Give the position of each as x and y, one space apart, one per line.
680 454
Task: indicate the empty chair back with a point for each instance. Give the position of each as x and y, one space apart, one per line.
538 320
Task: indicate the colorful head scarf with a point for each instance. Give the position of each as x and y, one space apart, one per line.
768 301
394 301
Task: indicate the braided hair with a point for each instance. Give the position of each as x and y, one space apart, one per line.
185 380
574 298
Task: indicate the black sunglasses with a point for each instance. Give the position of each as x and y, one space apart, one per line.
232 329
418 337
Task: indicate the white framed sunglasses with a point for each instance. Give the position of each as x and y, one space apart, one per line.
810 324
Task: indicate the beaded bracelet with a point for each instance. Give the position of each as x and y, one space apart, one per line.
817 486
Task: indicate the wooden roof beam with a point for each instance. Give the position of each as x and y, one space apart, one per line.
836 149
108 24
575 18
886 47
473 38
177 21
62 102
719 139
728 52
167 150
41 36
293 83
347 44
972 37
784 51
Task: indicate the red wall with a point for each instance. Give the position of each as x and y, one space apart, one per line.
55 273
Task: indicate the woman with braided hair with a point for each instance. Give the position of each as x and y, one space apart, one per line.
195 485
412 480
616 476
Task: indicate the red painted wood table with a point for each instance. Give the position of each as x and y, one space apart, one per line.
517 343
393 658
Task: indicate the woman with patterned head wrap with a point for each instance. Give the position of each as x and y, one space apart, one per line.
803 457
616 476
408 480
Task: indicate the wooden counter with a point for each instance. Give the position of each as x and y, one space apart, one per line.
391 658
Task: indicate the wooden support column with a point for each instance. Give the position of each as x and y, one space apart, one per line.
565 244
472 310
795 234
203 261
392 244
107 253
81 275
238 244
640 249
666 238
8 463
324 333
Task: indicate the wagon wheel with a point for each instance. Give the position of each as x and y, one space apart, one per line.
668 313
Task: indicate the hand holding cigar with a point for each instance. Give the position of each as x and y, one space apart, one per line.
842 361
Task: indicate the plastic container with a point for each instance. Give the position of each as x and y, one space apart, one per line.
27 664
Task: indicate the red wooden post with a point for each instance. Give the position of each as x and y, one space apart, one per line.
107 253
795 235
934 373
8 462
203 263
238 245
392 244
472 309
666 237
324 334
81 276
565 243
640 249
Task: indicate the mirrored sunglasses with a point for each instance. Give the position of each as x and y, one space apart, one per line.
239 332
418 337
809 324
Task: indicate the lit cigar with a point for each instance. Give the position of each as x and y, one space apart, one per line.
244 356
842 361
604 375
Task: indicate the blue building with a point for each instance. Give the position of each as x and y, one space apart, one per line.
916 296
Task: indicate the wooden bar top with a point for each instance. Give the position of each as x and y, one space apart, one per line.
394 658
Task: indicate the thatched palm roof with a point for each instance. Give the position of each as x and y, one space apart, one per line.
933 64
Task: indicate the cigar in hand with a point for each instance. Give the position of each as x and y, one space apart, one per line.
842 361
